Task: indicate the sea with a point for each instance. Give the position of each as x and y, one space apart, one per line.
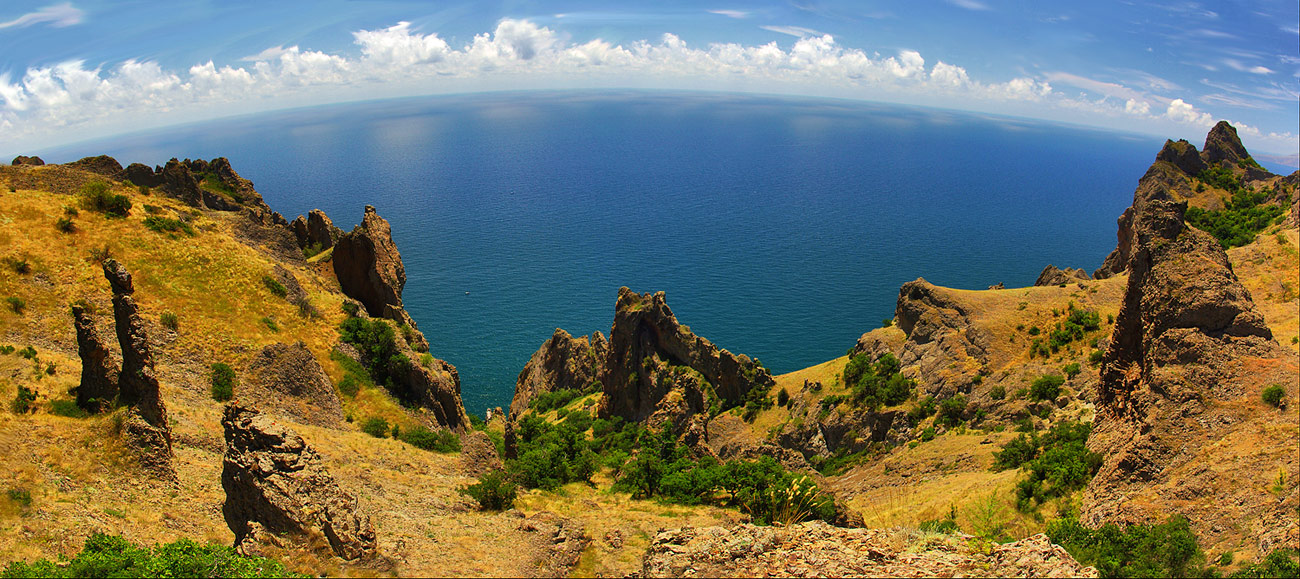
778 227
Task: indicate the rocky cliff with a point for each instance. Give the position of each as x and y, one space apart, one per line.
1181 381
659 371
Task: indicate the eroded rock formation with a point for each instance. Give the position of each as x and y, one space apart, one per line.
1222 145
142 175
370 269
102 164
945 347
659 371
1052 275
287 379
99 372
277 486
558 542
1180 380
25 160
561 363
145 427
815 549
1183 155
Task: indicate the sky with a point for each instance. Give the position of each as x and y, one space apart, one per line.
82 69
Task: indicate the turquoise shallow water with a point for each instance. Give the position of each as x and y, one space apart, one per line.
781 228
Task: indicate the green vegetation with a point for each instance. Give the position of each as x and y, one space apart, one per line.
168 225
1274 395
1244 214
1058 463
1279 563
1071 370
212 183
951 410
355 375
223 382
551 454
1046 387
1064 333
65 225
998 392
97 196
548 401
948 524
16 304
493 491
876 384
376 427
384 363
444 441
270 324
169 321
23 400
1165 550
112 556
68 408
275 287
18 265
20 497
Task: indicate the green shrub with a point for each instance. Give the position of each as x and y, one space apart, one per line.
6 349
928 434
18 265
152 209
351 309
67 408
876 383
275 287
493 491
1046 387
1018 451
23 400
1279 563
16 304
782 398
550 455
112 556
548 401
946 525
1165 550
1095 357
444 441
170 321
1244 216
168 225
998 392
223 382
951 410
923 409
1274 395
349 385
270 324
1061 463
20 497
28 353
1071 370
97 196
375 426
65 225
384 363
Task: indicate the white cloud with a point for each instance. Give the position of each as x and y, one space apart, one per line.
796 31
71 101
731 13
58 16
969 4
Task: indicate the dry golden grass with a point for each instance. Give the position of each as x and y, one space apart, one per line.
1270 269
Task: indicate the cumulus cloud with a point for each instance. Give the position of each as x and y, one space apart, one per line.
399 59
58 16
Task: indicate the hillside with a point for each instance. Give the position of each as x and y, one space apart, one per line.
187 363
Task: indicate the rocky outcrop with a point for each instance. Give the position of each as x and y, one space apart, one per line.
1051 275
287 379
315 230
277 487
658 371
1186 361
142 175
1162 181
369 268
944 350
815 549
1222 145
561 363
179 183
25 160
99 372
145 426
102 165
558 542
1183 155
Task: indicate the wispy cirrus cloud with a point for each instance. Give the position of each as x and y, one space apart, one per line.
795 31
970 4
731 13
57 15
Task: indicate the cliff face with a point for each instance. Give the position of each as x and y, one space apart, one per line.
657 366
369 268
561 363
1181 381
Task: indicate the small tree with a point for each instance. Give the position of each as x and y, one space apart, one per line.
1274 395
1046 387
492 491
223 382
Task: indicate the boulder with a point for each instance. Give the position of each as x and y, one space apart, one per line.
25 160
1051 275
142 175
287 379
277 485
102 165
658 370
99 372
1183 155
557 541
145 427
369 268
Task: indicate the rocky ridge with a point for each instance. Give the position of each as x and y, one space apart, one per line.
287 379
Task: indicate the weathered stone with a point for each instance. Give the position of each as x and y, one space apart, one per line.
558 542
368 266
1051 275
99 372
943 349
1162 182
145 428
142 175
179 183
1222 145
1183 155
299 228
561 363
25 160
658 370
102 164
320 230
287 379
274 480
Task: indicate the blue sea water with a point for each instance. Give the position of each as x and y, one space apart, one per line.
779 227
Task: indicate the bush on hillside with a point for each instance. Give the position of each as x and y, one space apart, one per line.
1164 550
112 556
376 427
420 437
97 196
1046 387
493 491
1274 395
223 382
